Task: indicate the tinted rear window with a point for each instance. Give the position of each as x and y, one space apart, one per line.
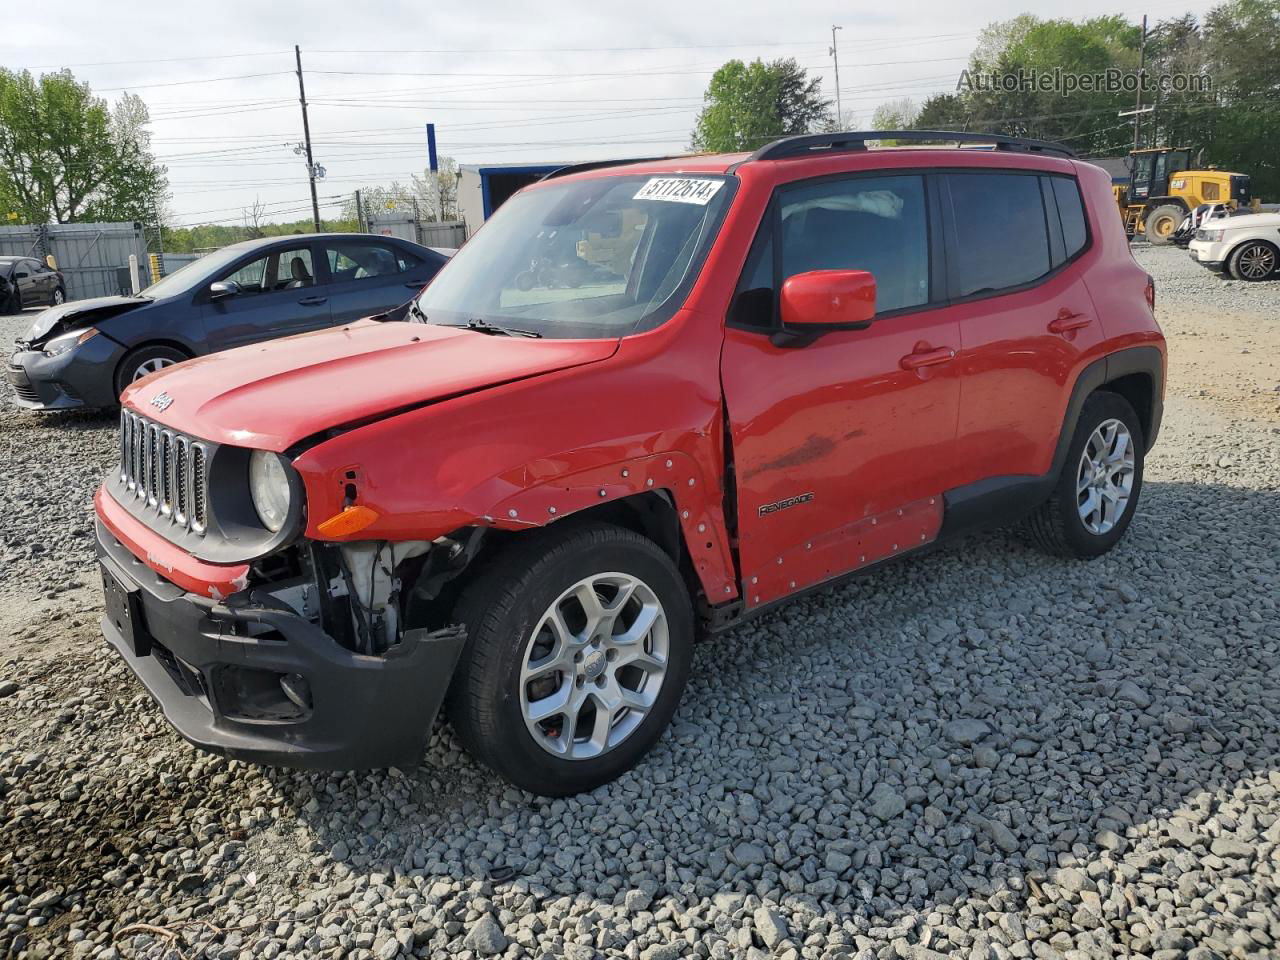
1002 237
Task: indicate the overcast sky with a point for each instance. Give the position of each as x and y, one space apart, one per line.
503 81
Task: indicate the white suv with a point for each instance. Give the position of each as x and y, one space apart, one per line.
1245 247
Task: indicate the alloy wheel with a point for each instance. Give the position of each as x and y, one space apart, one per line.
1104 478
1257 261
594 666
148 367
58 298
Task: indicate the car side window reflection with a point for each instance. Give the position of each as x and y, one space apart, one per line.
876 224
357 261
279 270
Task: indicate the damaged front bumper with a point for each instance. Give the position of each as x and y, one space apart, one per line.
264 684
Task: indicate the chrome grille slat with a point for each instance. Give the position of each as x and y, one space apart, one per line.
165 470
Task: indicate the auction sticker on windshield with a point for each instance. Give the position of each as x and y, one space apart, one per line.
679 190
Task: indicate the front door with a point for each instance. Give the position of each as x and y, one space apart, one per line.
842 447
280 293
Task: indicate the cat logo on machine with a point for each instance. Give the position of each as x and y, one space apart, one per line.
774 507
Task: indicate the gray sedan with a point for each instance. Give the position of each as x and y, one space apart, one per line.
83 354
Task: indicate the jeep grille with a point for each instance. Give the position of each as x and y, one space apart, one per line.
164 470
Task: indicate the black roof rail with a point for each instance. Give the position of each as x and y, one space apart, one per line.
602 164
857 140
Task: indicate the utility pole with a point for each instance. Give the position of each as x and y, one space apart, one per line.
1142 72
835 56
306 139
360 213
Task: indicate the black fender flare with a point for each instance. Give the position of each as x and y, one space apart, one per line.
1002 499
1146 360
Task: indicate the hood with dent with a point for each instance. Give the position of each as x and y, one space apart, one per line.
272 395
80 313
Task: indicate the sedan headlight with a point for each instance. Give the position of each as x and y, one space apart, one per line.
270 489
69 341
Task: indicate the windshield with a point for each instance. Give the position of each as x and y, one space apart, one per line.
588 258
191 275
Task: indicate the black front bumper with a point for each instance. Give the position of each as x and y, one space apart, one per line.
82 378
220 686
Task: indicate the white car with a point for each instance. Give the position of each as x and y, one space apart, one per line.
1244 247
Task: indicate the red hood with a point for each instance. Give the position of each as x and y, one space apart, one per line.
270 396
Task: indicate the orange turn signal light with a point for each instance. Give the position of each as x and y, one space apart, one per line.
351 520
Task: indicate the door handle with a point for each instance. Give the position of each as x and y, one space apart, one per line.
416 285
927 358
313 301
1066 320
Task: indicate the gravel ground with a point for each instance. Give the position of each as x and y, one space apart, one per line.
980 753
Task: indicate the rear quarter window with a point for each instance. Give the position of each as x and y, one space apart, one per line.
1071 213
1001 235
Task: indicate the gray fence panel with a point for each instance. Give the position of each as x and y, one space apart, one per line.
89 255
20 241
433 234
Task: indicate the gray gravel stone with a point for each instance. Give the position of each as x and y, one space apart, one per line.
983 754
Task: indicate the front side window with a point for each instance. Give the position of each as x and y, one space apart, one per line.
278 270
361 261
1001 236
878 224
602 257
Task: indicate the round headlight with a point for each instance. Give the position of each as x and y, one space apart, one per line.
269 488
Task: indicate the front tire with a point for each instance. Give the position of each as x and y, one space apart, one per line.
1162 222
579 643
1094 498
145 361
59 297
1253 260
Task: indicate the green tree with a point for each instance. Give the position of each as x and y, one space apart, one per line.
65 157
750 104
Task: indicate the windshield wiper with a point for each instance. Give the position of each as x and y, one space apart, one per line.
483 326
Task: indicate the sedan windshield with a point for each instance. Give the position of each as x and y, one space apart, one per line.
191 275
588 258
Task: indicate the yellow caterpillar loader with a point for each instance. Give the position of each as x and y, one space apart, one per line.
1163 189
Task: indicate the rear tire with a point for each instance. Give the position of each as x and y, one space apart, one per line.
1162 222
1094 498
530 693
1253 260
144 361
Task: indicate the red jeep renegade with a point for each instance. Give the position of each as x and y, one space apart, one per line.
646 402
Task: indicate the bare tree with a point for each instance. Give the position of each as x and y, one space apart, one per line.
253 216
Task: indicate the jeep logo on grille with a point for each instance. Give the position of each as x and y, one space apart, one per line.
161 401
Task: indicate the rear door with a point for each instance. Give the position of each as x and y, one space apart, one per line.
1016 239
282 292
843 446
372 276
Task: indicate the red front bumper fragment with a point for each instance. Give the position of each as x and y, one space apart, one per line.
212 580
